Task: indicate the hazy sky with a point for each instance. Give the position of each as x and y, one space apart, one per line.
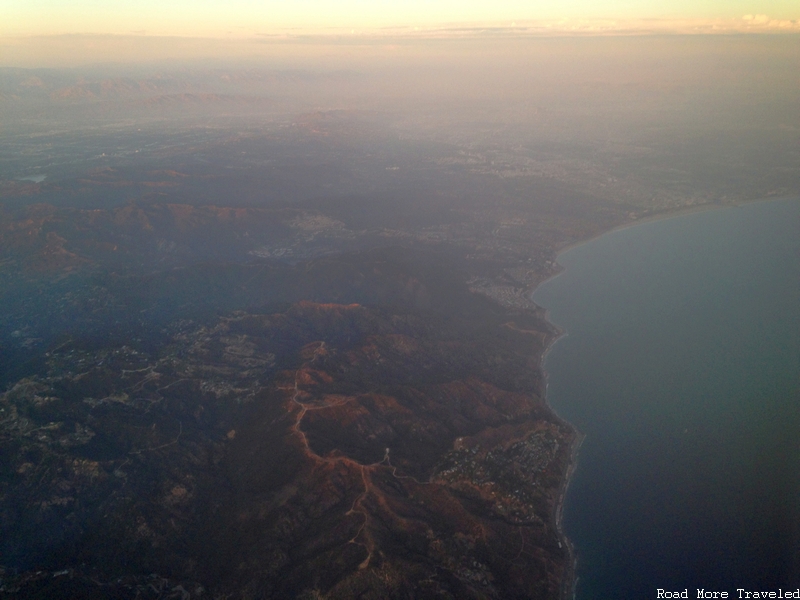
251 17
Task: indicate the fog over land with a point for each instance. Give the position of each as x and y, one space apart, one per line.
265 316
620 116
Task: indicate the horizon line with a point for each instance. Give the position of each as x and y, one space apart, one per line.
747 24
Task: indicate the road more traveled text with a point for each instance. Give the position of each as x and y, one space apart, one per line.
740 593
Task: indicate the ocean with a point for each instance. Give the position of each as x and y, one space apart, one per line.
681 364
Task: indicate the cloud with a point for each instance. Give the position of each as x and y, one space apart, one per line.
286 44
765 23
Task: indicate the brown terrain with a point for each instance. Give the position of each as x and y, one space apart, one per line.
385 439
337 399
254 349
329 449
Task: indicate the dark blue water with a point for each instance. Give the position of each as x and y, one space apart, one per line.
682 367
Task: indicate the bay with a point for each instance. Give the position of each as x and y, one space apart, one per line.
681 365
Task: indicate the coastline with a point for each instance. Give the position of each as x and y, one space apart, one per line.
570 577
669 214
569 583
569 580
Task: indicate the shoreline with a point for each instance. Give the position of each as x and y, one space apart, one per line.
570 577
569 583
570 580
670 214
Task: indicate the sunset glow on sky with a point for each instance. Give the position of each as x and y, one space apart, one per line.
243 18
50 33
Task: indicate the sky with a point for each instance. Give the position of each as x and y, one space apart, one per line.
57 33
246 18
